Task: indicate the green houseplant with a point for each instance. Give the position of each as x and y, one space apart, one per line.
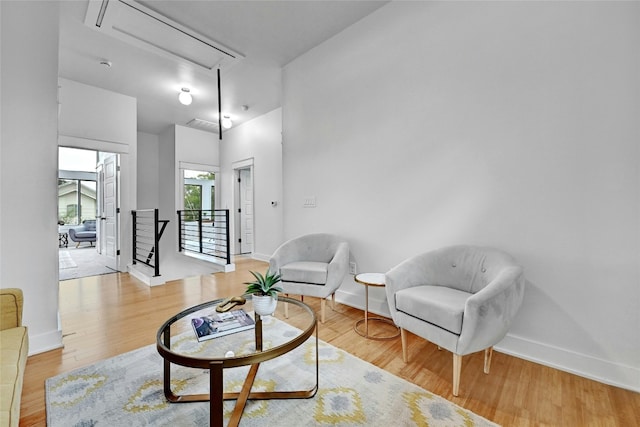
264 292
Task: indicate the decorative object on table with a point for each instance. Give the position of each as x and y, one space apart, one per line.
217 325
264 292
127 390
229 303
430 294
312 265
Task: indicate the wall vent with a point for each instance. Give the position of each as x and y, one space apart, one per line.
140 26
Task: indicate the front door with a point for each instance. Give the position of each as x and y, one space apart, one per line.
108 229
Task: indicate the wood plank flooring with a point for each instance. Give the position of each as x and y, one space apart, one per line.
104 316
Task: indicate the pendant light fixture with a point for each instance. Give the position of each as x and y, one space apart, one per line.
226 122
185 96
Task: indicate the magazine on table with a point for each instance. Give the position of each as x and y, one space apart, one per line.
216 325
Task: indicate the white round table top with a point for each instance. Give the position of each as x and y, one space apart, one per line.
370 279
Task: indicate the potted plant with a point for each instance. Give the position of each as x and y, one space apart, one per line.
264 292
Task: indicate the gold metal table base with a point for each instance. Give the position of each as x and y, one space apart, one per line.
377 280
216 398
375 337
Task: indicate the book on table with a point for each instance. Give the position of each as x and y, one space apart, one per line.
216 325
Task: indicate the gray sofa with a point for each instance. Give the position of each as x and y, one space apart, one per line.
84 233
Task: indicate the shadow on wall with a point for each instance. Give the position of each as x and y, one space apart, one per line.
550 347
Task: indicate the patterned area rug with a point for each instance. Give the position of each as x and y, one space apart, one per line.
127 391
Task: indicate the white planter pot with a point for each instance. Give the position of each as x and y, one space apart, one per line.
264 305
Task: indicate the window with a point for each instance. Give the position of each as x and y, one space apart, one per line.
76 185
76 201
192 201
199 193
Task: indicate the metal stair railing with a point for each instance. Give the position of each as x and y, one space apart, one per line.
205 232
147 232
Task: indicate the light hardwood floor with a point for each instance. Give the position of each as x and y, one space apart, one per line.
107 315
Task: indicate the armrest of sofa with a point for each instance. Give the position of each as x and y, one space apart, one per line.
11 301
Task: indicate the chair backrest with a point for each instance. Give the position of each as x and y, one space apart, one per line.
320 247
467 268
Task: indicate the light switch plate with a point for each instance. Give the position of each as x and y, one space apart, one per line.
309 202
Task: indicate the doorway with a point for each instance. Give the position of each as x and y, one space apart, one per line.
244 208
87 213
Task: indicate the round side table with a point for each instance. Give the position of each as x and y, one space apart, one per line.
372 279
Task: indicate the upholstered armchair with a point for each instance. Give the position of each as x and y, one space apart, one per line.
461 298
84 233
312 265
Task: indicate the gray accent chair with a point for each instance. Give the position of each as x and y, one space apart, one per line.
461 298
312 265
85 233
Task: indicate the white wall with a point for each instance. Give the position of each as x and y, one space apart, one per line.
178 144
101 120
194 147
28 222
148 167
97 114
513 125
261 140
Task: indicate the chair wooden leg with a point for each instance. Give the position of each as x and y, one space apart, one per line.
323 302
333 300
488 352
457 366
403 338
286 308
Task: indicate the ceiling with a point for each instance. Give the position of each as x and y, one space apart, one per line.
269 34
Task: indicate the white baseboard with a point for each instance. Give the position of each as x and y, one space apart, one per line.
45 342
604 371
261 257
144 276
376 306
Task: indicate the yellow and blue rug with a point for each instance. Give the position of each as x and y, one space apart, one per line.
127 391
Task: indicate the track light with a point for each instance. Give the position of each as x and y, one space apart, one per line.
185 96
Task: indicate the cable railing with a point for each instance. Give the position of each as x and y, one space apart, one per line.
205 232
147 231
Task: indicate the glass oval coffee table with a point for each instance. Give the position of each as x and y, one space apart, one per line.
231 351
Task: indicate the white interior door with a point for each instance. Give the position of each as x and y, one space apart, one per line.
100 245
245 191
108 238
